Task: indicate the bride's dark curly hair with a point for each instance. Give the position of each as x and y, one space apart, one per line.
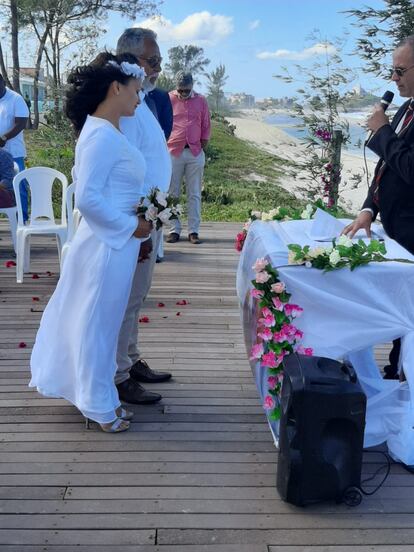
89 84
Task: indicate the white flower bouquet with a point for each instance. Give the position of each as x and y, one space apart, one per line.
159 207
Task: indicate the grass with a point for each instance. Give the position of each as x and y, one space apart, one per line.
238 177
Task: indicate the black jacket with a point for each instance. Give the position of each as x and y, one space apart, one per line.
396 188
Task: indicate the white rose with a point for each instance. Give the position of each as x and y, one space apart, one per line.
161 198
344 240
165 215
292 260
334 257
266 216
316 251
151 213
305 214
274 212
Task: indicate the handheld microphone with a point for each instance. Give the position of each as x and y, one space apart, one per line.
385 102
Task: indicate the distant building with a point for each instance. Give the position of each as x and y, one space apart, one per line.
357 90
26 83
241 100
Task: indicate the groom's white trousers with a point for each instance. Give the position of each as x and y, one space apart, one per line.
128 347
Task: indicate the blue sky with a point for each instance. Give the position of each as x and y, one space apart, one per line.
254 40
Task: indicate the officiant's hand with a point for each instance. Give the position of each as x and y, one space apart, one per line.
145 250
377 119
363 221
143 229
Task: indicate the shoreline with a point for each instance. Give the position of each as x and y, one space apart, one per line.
252 128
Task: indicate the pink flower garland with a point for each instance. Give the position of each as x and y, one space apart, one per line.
277 337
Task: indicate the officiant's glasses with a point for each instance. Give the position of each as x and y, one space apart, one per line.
400 71
153 61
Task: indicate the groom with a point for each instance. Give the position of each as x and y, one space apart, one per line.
145 133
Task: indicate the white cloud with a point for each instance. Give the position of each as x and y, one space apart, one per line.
306 53
199 28
254 24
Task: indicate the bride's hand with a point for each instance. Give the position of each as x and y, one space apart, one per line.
143 229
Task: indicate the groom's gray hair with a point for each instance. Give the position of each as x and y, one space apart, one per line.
132 40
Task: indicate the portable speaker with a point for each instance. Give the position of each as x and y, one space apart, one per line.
321 431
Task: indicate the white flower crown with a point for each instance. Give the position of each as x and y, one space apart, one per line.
130 69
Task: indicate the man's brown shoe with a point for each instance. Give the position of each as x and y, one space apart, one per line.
193 238
173 237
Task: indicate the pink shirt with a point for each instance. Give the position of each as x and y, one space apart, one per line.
191 123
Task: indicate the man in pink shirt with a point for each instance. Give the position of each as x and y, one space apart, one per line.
190 135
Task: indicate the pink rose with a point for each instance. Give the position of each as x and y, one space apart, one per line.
293 310
272 381
257 351
308 351
269 403
279 287
266 334
260 264
279 337
266 311
271 360
268 321
277 303
262 277
256 293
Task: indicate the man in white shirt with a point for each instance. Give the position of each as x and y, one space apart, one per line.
145 133
14 114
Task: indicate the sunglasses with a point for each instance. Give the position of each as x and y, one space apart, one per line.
152 61
400 71
184 90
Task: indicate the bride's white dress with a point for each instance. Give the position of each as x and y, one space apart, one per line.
74 356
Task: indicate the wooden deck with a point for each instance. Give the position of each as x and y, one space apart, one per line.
196 473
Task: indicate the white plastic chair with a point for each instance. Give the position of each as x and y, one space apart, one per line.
11 213
73 222
42 220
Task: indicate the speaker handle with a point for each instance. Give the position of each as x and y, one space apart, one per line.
348 369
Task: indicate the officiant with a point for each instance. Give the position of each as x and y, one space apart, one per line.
391 194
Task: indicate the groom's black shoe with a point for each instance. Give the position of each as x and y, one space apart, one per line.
132 392
140 371
391 372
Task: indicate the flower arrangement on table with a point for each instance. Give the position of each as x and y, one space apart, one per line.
277 336
159 207
281 214
343 252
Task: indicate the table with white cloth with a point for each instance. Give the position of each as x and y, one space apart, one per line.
346 313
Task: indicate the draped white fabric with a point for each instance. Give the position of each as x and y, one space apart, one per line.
74 356
345 314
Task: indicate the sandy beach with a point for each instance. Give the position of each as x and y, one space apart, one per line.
251 127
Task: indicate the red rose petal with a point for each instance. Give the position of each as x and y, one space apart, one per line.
182 302
35 299
161 305
144 320
49 273
9 264
35 276
178 314
22 345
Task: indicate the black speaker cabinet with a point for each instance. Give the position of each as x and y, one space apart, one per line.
321 430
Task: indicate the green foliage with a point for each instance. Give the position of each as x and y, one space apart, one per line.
215 86
239 177
322 93
186 58
381 31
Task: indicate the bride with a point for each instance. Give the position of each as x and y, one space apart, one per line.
74 356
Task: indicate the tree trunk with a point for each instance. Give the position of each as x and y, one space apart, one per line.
3 69
40 49
15 45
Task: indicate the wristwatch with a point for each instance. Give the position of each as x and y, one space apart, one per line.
3 137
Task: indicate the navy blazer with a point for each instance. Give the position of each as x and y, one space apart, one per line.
162 102
396 187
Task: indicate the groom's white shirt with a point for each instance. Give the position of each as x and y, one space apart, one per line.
145 133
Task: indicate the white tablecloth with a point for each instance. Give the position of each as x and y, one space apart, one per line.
345 314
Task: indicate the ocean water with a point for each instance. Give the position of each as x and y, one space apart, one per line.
357 133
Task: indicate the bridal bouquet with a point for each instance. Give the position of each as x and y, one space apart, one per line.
159 207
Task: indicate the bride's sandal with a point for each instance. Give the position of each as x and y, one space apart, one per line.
116 426
124 414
